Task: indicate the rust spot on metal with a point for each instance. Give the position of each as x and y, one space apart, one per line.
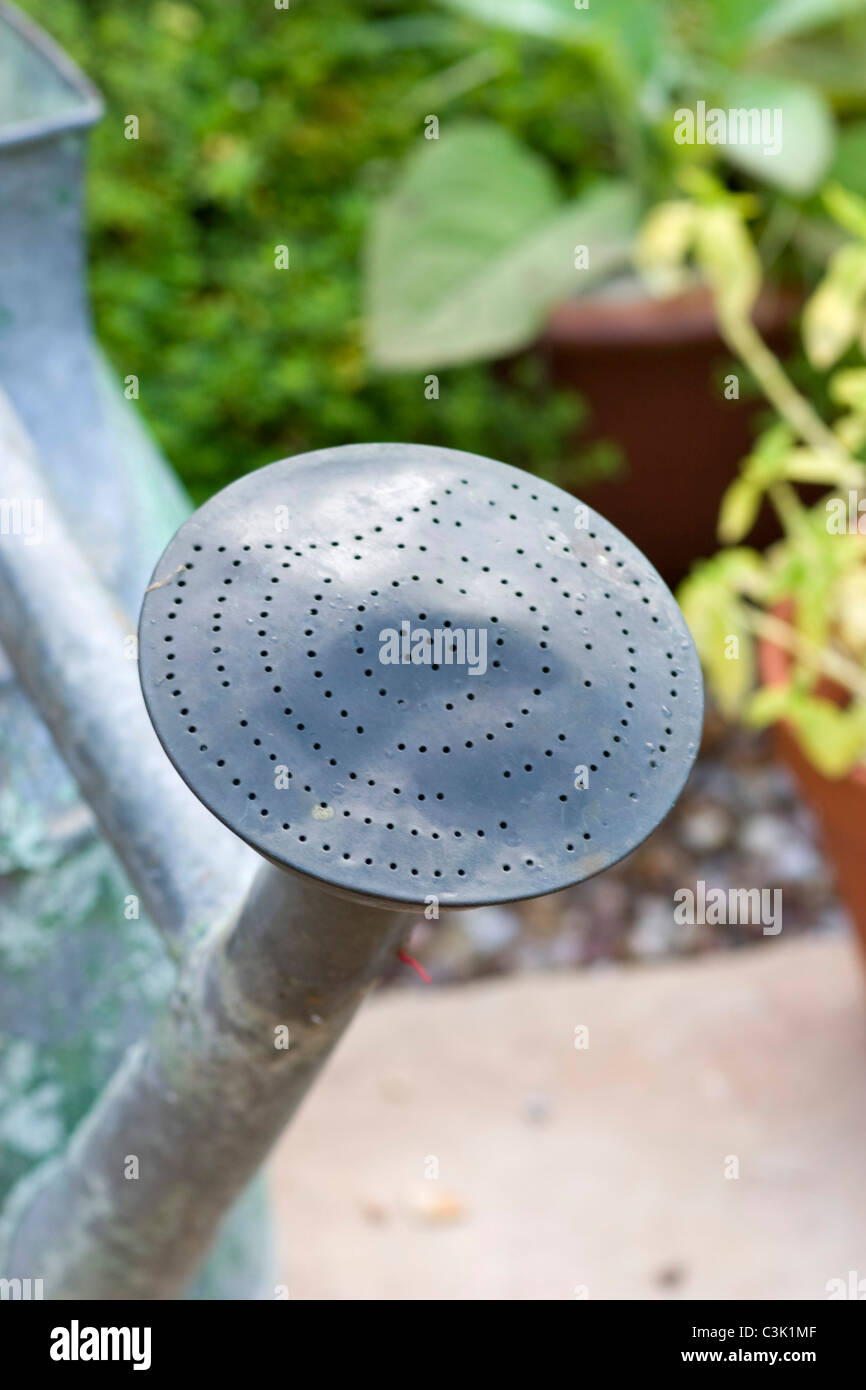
159 582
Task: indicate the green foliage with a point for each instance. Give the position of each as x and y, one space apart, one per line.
832 738
836 313
640 59
628 35
452 277
807 593
259 128
712 230
711 601
807 130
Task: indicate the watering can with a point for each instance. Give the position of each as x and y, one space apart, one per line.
365 680
82 969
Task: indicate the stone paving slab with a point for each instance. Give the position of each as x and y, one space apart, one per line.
567 1172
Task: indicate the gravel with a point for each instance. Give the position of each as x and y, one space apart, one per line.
739 824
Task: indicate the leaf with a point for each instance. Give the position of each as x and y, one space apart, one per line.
833 315
850 430
833 739
776 458
469 253
550 19
848 209
637 32
766 463
806 568
734 26
740 506
831 60
663 245
850 606
710 600
805 465
849 162
726 254
848 387
797 120
769 704
752 23
778 19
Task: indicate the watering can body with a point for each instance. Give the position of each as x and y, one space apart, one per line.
82 970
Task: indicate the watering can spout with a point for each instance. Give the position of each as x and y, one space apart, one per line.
43 93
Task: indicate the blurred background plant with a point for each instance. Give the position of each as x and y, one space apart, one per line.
470 250
807 593
257 129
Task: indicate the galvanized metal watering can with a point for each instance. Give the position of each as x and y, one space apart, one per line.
82 970
395 674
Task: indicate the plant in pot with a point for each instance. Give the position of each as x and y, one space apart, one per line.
782 633
490 243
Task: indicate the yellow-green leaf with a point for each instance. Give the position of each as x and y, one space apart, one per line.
712 607
846 208
848 387
823 468
740 505
833 316
833 739
727 256
769 704
850 608
663 244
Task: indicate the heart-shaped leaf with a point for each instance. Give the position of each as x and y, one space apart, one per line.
469 253
791 144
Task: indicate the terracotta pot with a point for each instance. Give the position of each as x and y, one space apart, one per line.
650 372
839 805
